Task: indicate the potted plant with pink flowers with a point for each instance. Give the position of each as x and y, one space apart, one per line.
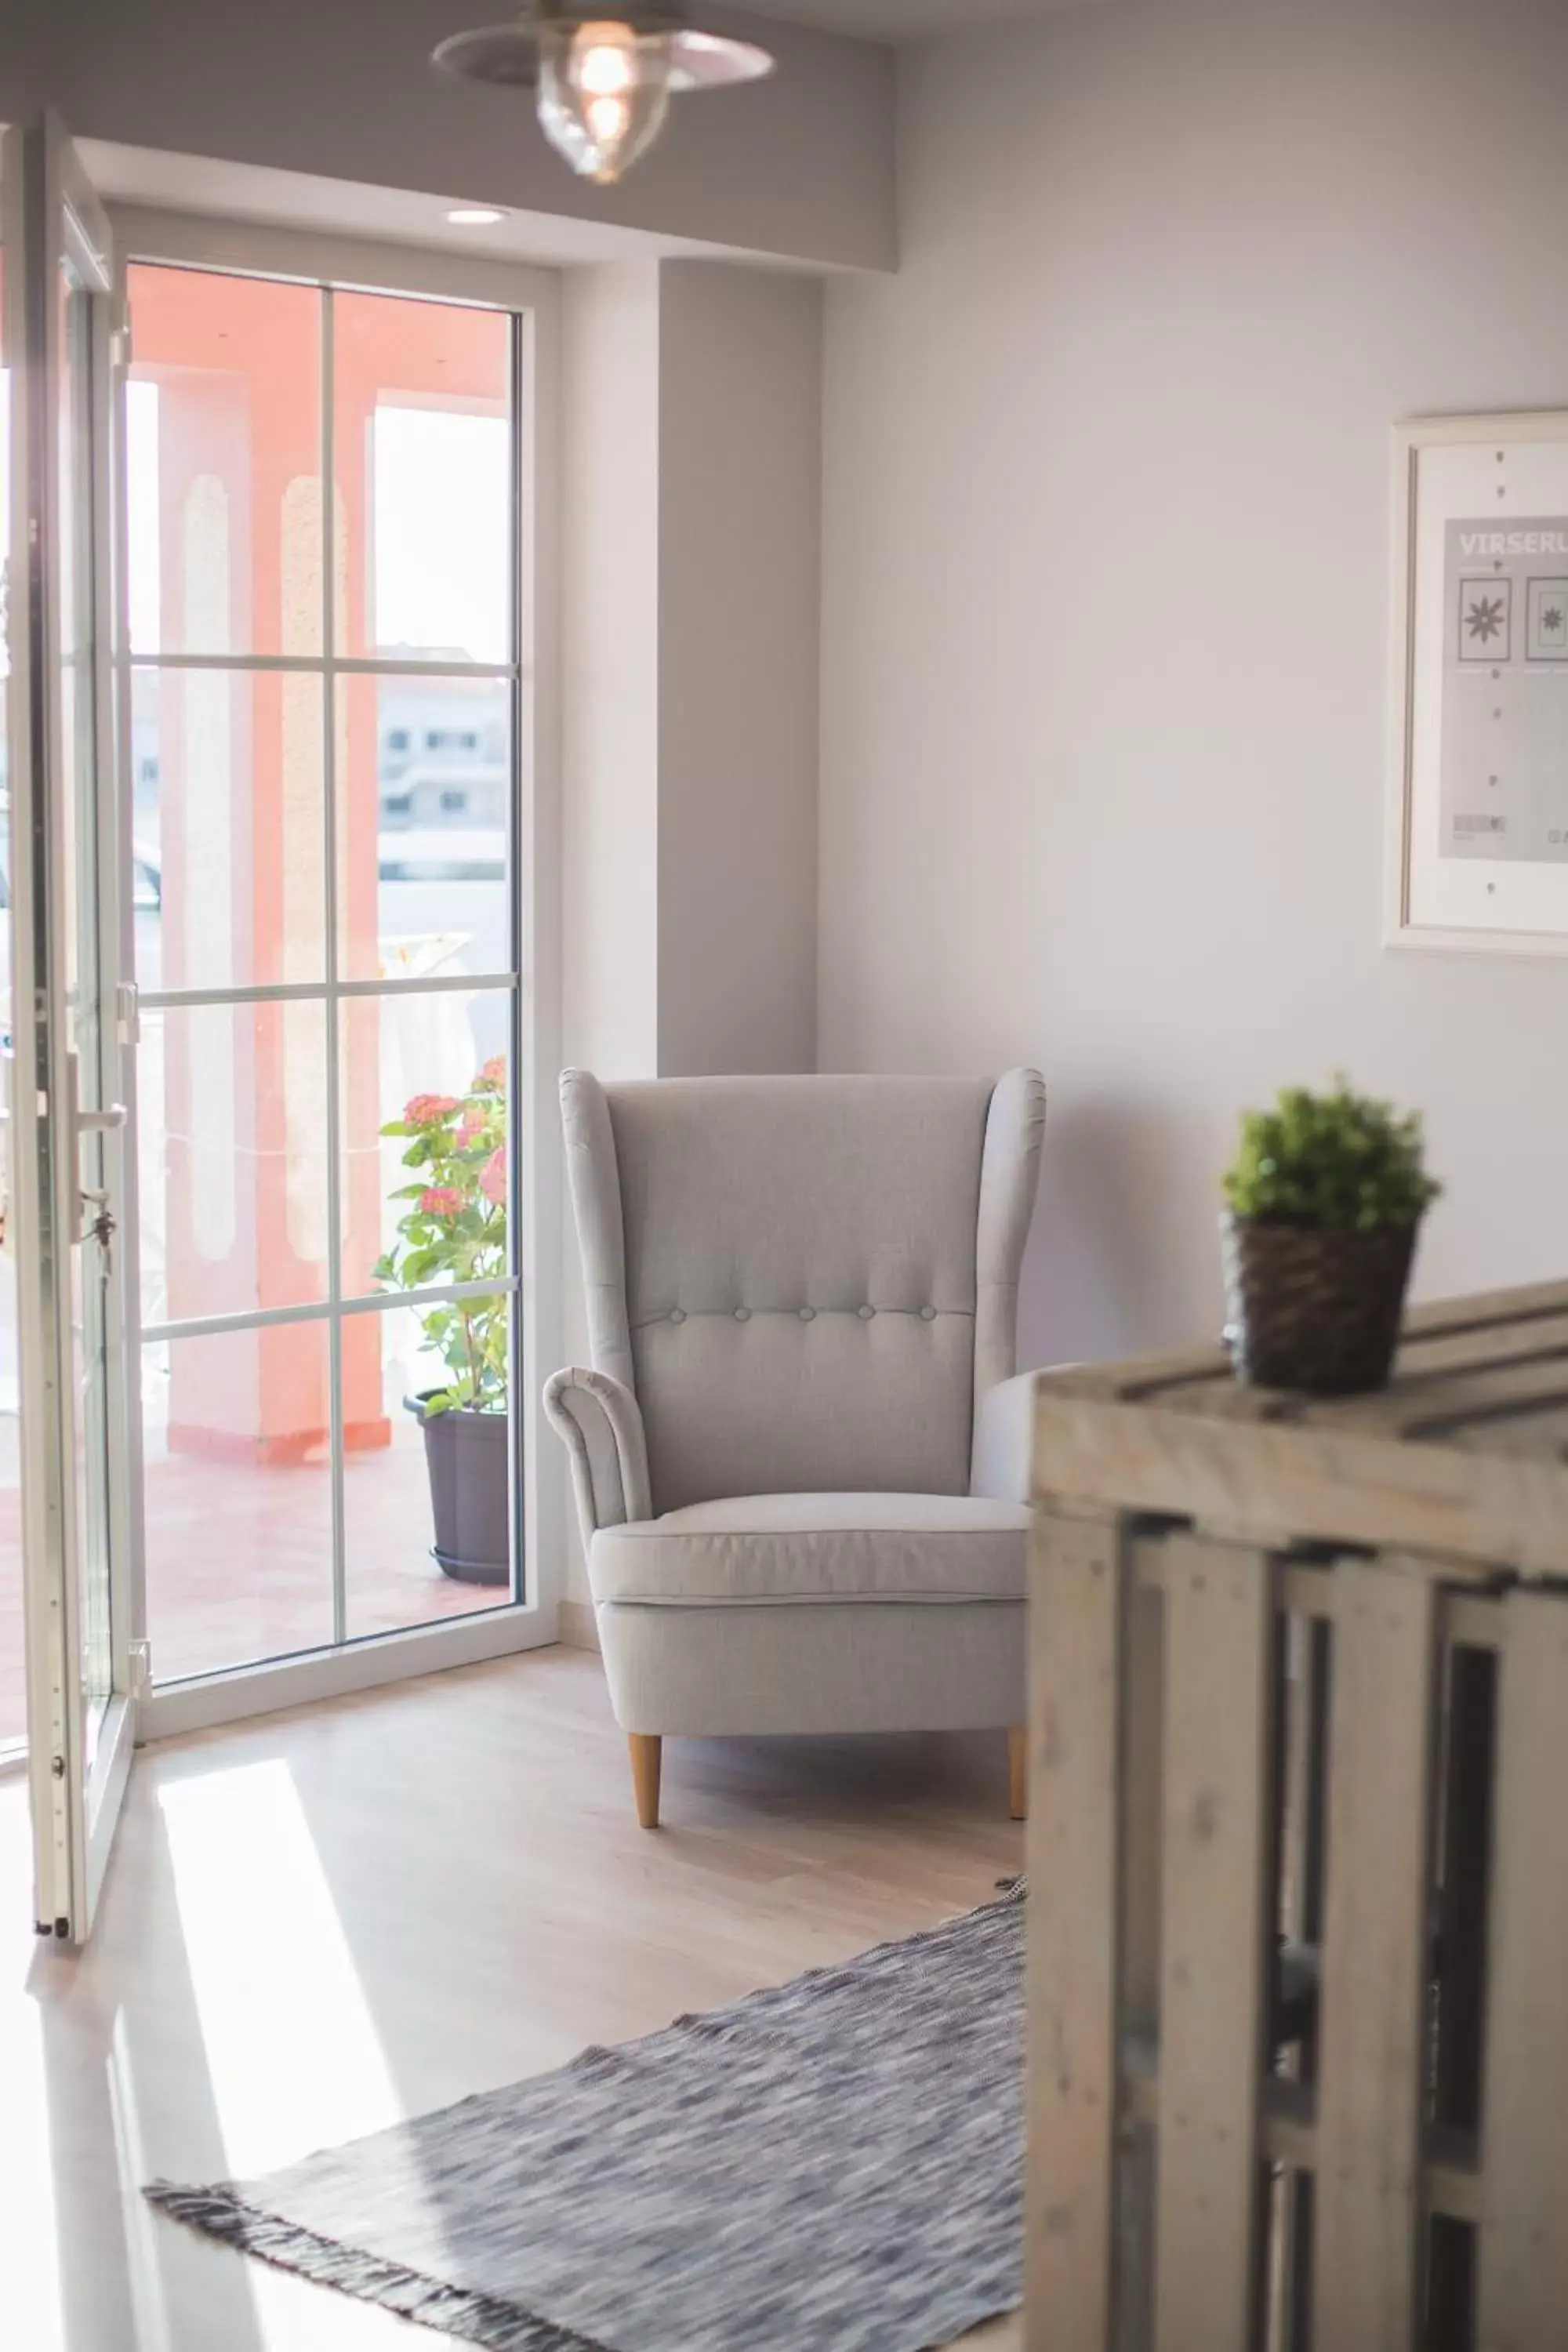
454 1231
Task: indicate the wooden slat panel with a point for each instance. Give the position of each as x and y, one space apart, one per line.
1165 1373
1475 1620
1076 1618
1544 1434
1524 2228
1472 1617
1219 1651
1423 1410
1229 1399
1517 1306
1288 2131
1271 1485
1426 1355
1138 1376
1373 2048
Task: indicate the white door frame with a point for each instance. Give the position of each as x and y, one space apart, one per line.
53 221
534 296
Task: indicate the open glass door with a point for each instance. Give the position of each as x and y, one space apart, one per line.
66 1123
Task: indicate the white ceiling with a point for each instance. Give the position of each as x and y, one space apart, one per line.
897 20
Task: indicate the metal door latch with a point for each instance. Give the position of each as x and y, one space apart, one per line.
100 1228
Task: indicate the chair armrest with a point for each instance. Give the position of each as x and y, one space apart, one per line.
599 1421
1003 1441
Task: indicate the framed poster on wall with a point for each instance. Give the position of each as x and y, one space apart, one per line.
1478 835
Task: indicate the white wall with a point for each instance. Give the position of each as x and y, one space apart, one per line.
610 660
1106 593
740 622
691 578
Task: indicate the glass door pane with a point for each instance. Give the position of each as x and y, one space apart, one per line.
66 1120
326 782
422 449
235 1434
428 1515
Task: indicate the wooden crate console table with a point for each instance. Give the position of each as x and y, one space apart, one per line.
1299 1671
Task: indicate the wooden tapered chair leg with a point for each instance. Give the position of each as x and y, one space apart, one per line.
1019 1772
647 1752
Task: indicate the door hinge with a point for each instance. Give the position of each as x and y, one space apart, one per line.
141 1669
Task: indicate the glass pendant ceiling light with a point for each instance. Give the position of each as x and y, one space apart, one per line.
605 75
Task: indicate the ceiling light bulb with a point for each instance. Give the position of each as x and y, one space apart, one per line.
603 92
605 70
603 81
607 119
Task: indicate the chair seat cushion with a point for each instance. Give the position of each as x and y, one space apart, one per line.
766 1549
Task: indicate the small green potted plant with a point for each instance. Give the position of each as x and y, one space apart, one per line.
455 1231
1326 1196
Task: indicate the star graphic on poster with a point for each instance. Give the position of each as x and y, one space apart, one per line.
1551 619
1484 619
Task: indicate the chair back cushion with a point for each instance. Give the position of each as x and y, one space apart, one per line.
789 1286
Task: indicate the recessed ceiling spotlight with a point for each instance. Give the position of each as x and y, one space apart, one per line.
473 215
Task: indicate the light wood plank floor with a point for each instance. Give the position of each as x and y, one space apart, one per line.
327 1920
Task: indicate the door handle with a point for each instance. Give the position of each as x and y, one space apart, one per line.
107 1121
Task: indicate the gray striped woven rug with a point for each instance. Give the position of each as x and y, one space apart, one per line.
834 2166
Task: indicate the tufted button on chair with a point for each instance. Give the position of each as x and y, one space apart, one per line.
800 1456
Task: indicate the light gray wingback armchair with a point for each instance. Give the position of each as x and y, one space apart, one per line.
800 1457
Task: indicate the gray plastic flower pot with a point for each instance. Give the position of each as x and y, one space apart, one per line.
466 1453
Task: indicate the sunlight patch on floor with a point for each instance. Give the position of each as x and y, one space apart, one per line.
144 2275
29 2237
292 2053
28 2232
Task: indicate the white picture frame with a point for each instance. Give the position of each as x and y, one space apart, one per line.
1475 861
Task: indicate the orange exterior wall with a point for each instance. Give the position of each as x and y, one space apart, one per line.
238 365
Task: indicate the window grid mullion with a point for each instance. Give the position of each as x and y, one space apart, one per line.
314 991
518 1369
319 1310
328 665
329 866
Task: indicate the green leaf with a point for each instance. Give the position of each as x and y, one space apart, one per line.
1338 1160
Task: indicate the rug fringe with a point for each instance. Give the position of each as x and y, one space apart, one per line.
479 2319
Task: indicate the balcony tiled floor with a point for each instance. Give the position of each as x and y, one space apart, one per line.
239 1559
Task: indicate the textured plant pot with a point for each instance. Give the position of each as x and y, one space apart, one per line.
1310 1310
466 1453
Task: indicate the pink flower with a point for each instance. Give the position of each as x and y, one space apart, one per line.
492 1178
494 1072
470 1128
441 1201
428 1110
